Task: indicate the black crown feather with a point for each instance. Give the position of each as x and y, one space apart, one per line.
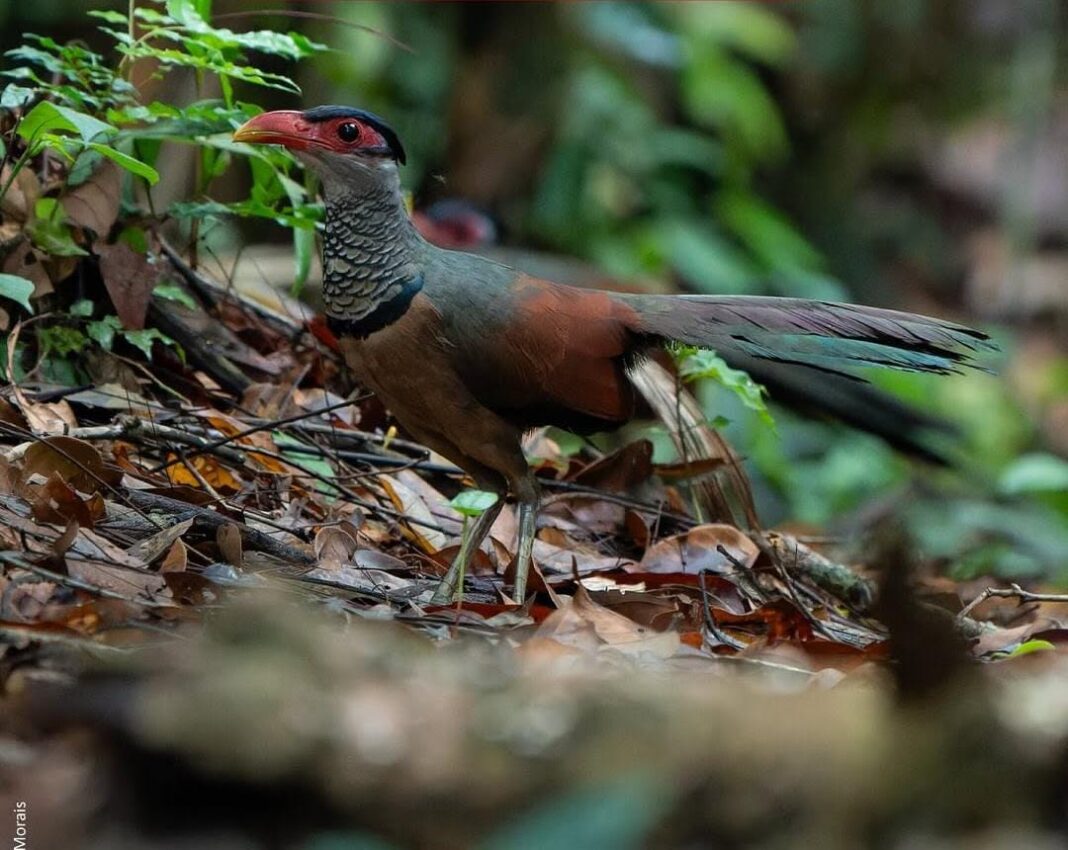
327 113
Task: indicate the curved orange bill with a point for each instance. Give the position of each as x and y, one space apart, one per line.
284 127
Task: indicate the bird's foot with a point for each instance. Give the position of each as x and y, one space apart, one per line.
451 587
528 514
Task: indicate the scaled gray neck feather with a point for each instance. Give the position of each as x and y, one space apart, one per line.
370 250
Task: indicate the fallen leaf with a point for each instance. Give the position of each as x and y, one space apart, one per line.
696 550
228 539
620 471
218 477
131 583
150 548
412 504
28 262
333 546
129 278
57 502
74 461
94 204
176 560
589 626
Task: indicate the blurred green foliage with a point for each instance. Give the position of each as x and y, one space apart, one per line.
729 147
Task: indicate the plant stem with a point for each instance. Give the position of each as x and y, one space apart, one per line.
464 535
15 169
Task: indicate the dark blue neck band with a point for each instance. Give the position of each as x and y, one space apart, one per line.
381 316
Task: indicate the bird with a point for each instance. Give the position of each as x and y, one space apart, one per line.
469 354
462 225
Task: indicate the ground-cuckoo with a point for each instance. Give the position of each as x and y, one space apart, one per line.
469 354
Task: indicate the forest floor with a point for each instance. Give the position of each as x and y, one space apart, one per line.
217 622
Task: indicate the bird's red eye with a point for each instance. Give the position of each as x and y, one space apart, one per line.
348 132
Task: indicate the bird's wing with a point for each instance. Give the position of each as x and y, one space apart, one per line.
550 351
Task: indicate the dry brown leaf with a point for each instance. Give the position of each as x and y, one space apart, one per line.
54 418
152 547
334 546
592 627
93 546
21 197
176 560
94 204
57 502
316 398
129 278
620 471
411 504
228 539
131 583
218 477
74 461
696 550
26 261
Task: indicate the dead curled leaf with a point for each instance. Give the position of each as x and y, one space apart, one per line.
28 262
697 550
334 546
585 625
94 204
129 278
152 547
228 539
57 502
218 477
176 559
73 461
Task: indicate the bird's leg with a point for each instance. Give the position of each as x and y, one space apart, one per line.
451 586
527 497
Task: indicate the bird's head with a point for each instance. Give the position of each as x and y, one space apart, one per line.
335 141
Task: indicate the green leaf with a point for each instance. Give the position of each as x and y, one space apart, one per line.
48 117
697 363
1030 646
144 339
61 340
14 96
1035 473
303 249
135 237
134 166
18 289
473 503
170 292
103 332
110 17
749 28
83 308
49 230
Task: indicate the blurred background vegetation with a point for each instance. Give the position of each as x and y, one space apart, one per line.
910 154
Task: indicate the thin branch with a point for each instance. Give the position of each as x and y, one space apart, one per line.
1013 591
318 16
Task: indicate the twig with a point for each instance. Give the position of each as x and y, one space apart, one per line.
133 428
16 559
710 620
212 291
791 591
1013 591
119 494
265 426
251 537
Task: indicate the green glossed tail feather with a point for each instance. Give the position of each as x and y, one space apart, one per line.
817 334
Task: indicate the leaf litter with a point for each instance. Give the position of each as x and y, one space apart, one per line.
162 516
